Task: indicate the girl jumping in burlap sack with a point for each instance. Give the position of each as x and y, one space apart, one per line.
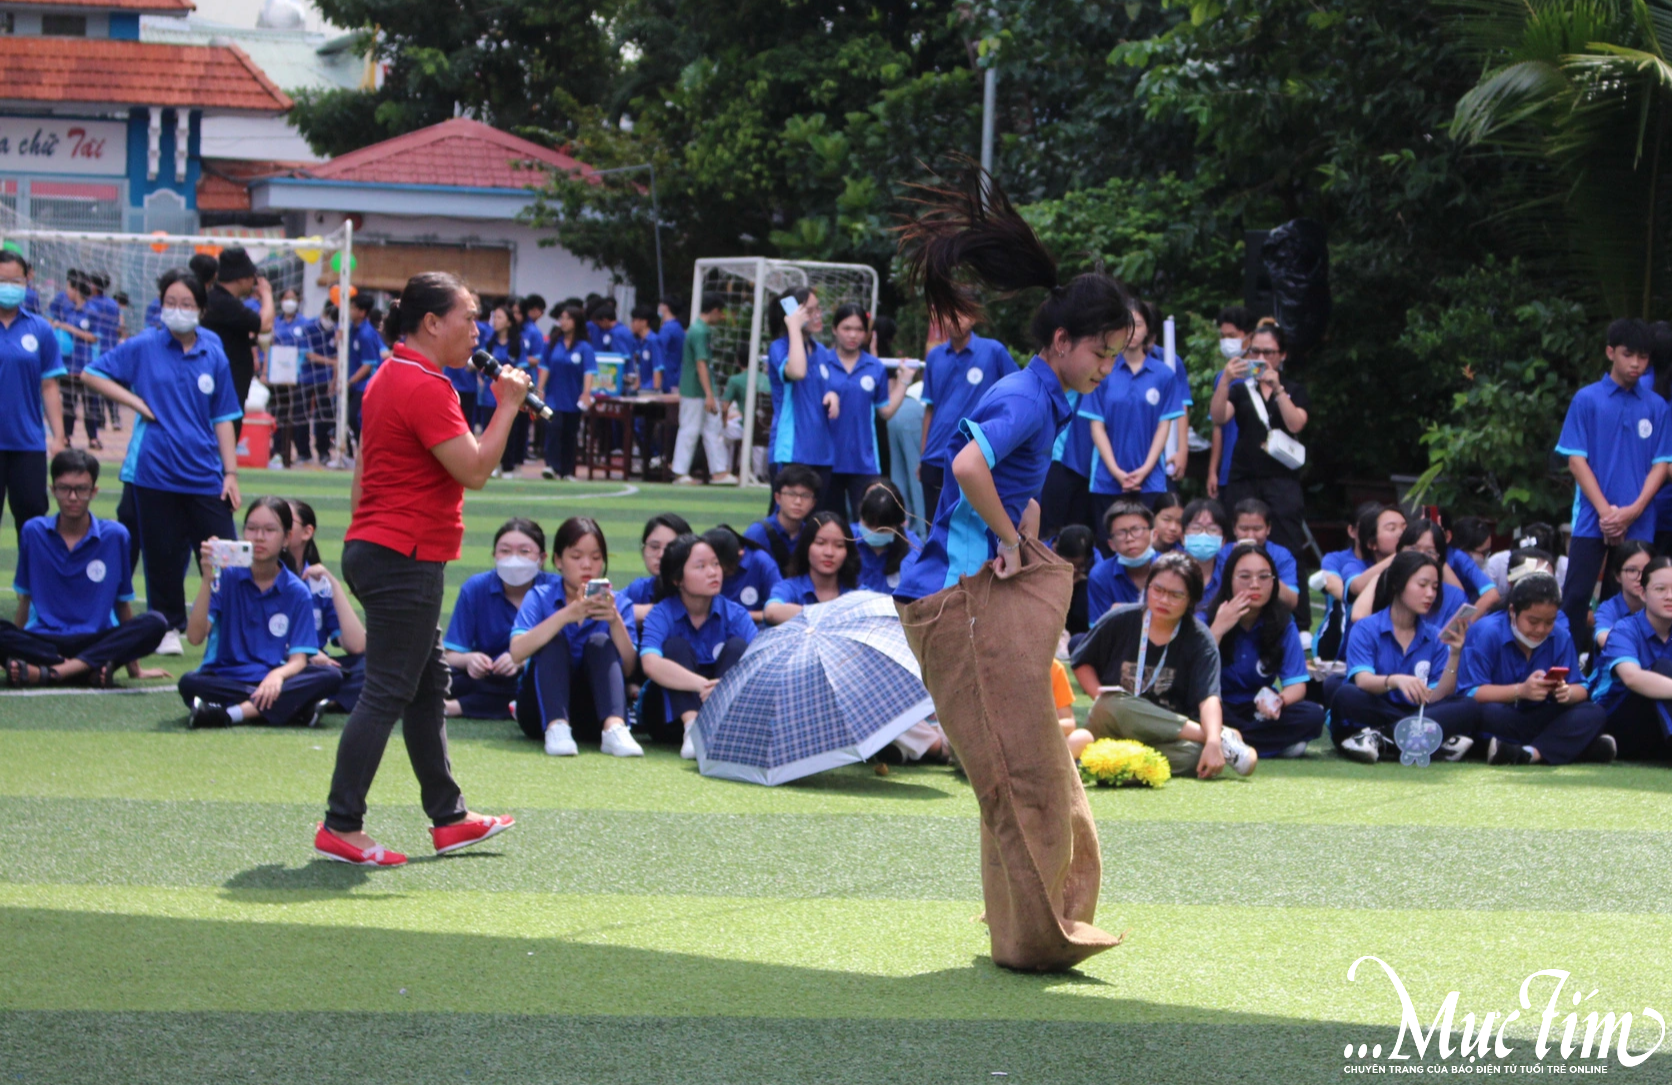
983 601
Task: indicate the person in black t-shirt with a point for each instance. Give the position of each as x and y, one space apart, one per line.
236 323
1172 702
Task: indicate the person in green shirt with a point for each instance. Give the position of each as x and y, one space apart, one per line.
699 410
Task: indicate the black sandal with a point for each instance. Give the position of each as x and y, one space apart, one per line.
102 677
17 675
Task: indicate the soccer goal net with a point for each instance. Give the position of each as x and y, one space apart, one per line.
71 268
749 288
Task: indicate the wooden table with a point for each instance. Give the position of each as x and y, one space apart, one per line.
609 440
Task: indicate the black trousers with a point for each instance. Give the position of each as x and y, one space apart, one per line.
844 492
127 514
406 680
516 444
485 698
294 703
173 527
665 709
933 478
319 414
563 434
554 688
134 639
1302 721
1642 728
1288 524
283 409
1586 558
1064 500
23 481
1352 710
70 392
1558 732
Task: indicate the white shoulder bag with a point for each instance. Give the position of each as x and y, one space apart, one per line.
1278 445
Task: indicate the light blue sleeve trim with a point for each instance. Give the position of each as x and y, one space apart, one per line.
451 647
1572 452
60 372
1661 459
517 631
1356 671
305 651
1471 691
1170 417
981 439
1296 680
227 418
94 371
128 598
1623 659
18 589
650 651
1093 416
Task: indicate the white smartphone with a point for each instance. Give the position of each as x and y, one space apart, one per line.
594 588
1465 614
791 306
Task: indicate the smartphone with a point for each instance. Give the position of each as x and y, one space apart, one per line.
600 586
791 306
1465 614
1556 674
231 554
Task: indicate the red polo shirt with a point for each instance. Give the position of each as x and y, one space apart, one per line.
408 501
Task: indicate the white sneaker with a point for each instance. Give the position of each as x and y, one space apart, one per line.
724 479
275 464
1238 754
1364 745
619 742
688 749
560 741
495 473
171 645
686 480
1454 748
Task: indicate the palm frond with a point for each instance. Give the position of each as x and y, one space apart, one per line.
1507 97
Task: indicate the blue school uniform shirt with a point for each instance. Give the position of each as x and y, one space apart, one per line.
1131 407
544 600
1633 640
534 340
800 591
1336 562
1015 425
252 632
641 591
672 335
854 429
618 340
953 383
1612 612
1493 657
73 591
107 322
28 355
365 347
873 565
1109 585
314 339
1241 672
1288 572
153 313
1621 433
189 392
1474 579
327 629
1447 603
1074 448
802 431
482 616
753 581
1371 648
567 368
647 356
669 619
66 312
1227 441
763 532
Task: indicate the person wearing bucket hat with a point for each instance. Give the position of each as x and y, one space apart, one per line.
228 317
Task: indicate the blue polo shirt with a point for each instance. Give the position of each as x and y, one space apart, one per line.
647 356
1015 425
618 340
1131 406
953 383
253 632
502 354
1612 612
753 581
73 591
873 563
107 322
315 339
534 340
1493 657
1447 603
82 317
854 430
1109 585
1371 647
566 369
1633 640
764 533
1621 433
483 616
1288 573
544 600
641 591
777 352
28 355
1227 441
1074 448
1473 578
365 347
1336 562
669 619
802 429
189 392
327 629
799 590
153 312
1242 674
672 335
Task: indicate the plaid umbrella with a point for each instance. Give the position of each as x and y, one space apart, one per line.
830 687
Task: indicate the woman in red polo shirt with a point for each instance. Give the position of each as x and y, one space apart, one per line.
417 456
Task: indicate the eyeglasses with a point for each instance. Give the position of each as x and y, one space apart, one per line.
1253 578
796 495
73 491
263 529
1633 574
1659 591
654 547
1170 595
1128 532
1262 352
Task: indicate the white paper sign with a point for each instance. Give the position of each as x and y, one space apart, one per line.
283 364
40 145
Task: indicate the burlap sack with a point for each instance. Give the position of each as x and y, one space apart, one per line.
986 645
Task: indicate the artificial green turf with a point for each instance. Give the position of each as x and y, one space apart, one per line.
162 917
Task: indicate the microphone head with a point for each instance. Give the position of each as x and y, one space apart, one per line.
484 361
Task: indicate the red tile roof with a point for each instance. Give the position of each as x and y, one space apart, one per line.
460 152
135 73
224 184
172 7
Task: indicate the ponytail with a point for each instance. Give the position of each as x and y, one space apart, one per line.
427 292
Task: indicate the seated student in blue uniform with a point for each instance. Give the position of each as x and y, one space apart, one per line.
1468 541
659 531
1633 683
1120 578
751 573
1385 653
826 567
259 625
1262 675
577 643
1206 530
884 540
1626 562
477 645
1169 523
74 586
1429 538
335 620
1251 522
692 637
795 491
1516 666
1331 583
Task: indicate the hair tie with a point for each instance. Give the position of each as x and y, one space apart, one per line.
1526 543
1530 567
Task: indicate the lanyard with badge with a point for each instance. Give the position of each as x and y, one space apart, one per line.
1143 651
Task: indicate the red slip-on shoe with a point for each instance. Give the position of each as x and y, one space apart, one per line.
462 834
334 847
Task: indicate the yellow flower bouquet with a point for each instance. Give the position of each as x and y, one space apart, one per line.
1119 762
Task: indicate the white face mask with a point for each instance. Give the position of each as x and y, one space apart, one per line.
1524 640
1230 348
289 306
327 324
180 321
516 571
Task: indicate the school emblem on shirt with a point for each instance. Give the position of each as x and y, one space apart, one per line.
278 624
718 649
824 371
85 323
868 382
206 383
1153 396
1644 428
30 343
748 596
975 376
318 620
575 358
96 571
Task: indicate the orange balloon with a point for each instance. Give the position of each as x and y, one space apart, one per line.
336 294
208 250
159 246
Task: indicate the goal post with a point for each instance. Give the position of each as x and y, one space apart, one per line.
134 262
748 286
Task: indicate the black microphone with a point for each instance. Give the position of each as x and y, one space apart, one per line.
489 367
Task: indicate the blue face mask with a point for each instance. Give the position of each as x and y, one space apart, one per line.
1202 547
1142 559
12 295
878 539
